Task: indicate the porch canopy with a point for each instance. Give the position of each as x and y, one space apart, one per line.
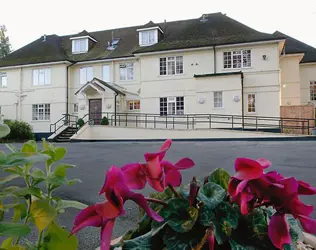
101 86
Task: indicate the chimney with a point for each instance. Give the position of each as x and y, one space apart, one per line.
164 30
44 38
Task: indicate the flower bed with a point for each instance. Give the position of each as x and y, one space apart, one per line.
250 210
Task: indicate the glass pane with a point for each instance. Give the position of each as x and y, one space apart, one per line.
3 81
122 73
171 67
163 66
179 65
130 74
237 59
106 73
171 108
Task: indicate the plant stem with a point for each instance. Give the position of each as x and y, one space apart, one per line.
39 241
174 191
156 201
26 218
203 240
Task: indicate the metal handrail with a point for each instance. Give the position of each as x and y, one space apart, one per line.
66 120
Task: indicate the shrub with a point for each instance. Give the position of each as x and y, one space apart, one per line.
250 210
105 121
80 122
35 205
19 131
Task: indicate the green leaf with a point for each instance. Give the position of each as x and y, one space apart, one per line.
295 230
30 147
37 192
142 242
60 153
13 229
207 216
7 243
179 215
4 130
60 169
3 157
20 158
220 177
62 204
8 178
20 211
15 170
211 194
12 148
227 215
236 246
73 181
38 174
57 238
42 213
47 146
258 223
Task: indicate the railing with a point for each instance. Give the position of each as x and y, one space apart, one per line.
205 121
65 120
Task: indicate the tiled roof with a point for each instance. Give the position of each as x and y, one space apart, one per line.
217 29
293 46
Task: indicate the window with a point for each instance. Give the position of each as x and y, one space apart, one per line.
148 37
134 105
126 71
172 65
41 112
86 75
76 108
41 77
251 103
313 90
3 80
218 99
106 73
237 59
172 105
79 46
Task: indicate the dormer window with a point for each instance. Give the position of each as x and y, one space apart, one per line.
149 36
80 46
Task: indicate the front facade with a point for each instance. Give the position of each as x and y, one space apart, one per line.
208 65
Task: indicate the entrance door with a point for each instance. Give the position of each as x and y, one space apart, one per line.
95 110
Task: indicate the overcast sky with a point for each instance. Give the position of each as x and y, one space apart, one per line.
26 21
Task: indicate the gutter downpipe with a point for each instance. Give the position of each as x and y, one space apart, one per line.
116 94
214 59
242 101
67 91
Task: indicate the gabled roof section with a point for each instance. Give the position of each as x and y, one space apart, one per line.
294 46
83 33
216 29
149 25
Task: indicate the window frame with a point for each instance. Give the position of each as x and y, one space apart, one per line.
83 49
128 65
237 57
109 72
86 74
46 111
148 37
41 72
177 66
179 105
76 108
134 104
254 106
312 84
3 75
215 100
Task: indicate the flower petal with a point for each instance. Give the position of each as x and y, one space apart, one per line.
141 201
86 217
161 154
241 186
247 169
166 145
244 201
273 176
154 173
211 241
172 174
308 224
232 186
134 176
297 207
108 210
278 231
113 176
264 162
305 189
184 163
106 234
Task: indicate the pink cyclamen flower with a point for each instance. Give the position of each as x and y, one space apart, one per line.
156 171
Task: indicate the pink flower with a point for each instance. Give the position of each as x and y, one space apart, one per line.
156 171
278 231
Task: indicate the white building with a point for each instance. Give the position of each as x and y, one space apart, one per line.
209 65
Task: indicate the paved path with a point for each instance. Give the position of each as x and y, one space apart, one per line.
93 159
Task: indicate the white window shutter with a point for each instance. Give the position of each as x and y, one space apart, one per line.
47 76
106 73
89 73
35 77
83 75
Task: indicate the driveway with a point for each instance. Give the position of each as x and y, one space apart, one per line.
296 159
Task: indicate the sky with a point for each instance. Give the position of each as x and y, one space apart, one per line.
26 21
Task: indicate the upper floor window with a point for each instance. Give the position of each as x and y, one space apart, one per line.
218 99
148 37
126 71
41 77
251 103
41 112
237 59
134 105
172 105
79 46
106 73
86 75
313 90
3 80
172 65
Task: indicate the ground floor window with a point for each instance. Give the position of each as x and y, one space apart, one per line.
41 112
134 105
251 103
218 99
313 90
76 108
172 105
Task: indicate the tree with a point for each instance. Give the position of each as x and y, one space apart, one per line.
5 46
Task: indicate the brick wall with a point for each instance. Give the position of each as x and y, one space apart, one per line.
299 112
